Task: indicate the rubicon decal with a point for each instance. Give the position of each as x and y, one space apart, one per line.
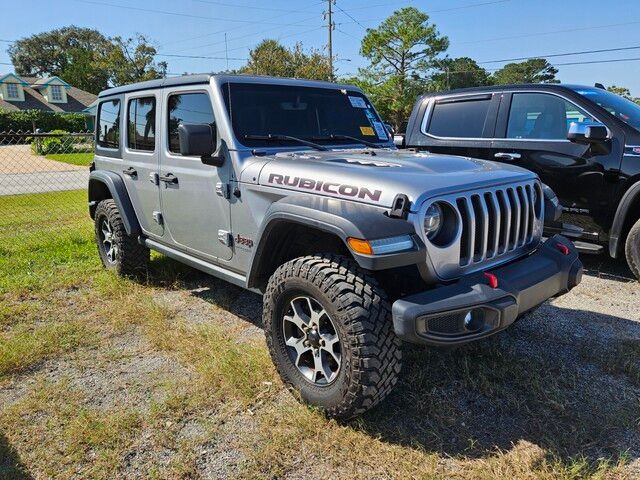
332 188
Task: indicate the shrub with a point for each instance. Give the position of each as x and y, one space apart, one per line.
47 145
30 120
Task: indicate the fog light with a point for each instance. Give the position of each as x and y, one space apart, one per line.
474 320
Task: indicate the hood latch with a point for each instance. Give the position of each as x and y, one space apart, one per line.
400 207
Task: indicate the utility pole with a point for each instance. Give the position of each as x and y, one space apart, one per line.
330 26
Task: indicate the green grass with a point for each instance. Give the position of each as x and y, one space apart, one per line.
80 159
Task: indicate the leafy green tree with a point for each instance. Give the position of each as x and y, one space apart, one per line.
624 92
535 70
460 72
85 58
272 58
133 60
71 53
401 51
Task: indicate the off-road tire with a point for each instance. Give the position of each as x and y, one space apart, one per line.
632 249
132 258
359 308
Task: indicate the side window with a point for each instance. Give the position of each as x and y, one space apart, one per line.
542 116
141 124
109 124
459 119
187 108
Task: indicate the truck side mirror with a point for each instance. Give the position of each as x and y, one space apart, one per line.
593 134
199 139
588 133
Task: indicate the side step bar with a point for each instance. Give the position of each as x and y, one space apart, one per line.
590 248
198 264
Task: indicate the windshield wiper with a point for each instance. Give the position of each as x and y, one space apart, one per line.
271 136
338 136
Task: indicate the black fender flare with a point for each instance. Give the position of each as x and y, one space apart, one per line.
98 179
628 199
343 219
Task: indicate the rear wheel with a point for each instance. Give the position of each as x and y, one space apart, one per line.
118 251
330 335
632 249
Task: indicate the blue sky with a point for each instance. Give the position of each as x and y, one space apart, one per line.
482 29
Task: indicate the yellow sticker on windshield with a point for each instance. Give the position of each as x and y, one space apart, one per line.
367 131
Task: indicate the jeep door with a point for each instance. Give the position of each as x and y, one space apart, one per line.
531 132
140 157
195 216
460 124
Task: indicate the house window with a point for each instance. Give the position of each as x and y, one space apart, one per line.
56 93
12 90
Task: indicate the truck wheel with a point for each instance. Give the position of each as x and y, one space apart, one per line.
330 335
632 249
118 251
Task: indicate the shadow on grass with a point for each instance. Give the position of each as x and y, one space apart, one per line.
551 380
11 468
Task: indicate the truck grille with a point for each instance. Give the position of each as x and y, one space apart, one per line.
496 222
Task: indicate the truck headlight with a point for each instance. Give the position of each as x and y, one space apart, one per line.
432 220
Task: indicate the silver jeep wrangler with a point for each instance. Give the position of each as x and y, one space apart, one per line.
294 189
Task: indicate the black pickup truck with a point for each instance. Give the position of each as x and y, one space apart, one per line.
583 142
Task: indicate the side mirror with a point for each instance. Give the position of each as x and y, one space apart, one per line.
588 133
199 139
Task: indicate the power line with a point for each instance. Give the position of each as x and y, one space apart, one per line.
204 57
553 32
253 7
176 14
566 54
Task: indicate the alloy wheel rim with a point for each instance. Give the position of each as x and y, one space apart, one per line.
312 340
108 244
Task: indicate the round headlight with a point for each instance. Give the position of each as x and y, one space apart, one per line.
432 220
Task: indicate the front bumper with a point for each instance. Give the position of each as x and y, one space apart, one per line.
471 309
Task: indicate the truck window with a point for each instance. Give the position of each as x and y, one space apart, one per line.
109 124
459 119
187 108
542 116
141 125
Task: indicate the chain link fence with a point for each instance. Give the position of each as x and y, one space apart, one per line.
43 173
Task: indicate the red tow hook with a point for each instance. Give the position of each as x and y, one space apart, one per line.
563 249
493 280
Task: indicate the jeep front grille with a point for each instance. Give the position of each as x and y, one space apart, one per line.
496 222
495 225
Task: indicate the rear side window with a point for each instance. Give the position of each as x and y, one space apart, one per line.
459 119
543 116
109 124
187 108
141 124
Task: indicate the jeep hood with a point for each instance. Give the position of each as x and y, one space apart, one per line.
376 178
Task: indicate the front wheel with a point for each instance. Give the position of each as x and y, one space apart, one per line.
330 335
632 249
118 251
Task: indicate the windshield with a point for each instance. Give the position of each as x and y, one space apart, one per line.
320 115
618 106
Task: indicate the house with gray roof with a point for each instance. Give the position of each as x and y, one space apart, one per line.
50 94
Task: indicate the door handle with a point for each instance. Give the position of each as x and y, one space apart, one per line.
507 156
169 178
130 172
